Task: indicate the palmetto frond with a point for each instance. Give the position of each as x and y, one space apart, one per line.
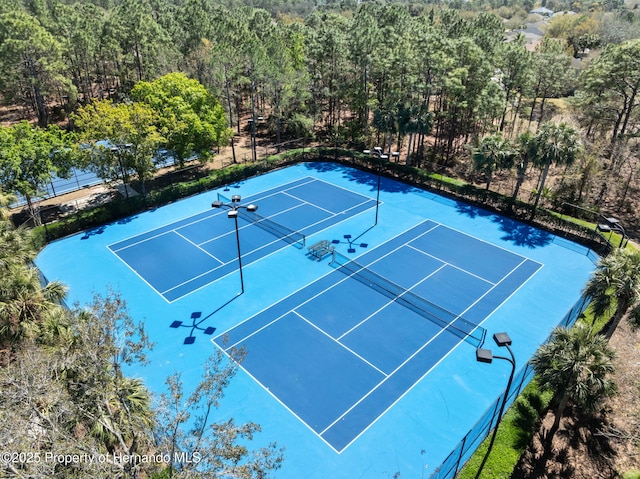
615 284
24 303
576 362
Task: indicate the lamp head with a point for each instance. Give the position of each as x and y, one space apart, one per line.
502 339
484 355
216 204
252 208
235 199
232 214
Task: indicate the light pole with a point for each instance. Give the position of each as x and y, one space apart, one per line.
486 356
234 206
378 152
118 151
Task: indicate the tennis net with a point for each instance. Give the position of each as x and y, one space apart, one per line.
464 329
280 231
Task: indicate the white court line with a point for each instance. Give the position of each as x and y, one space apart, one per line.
244 254
515 290
489 243
216 212
438 333
451 265
387 378
274 193
391 301
138 275
141 241
307 285
320 293
524 260
399 398
277 399
212 214
339 343
257 249
208 217
408 359
197 246
443 357
341 212
193 278
305 202
345 188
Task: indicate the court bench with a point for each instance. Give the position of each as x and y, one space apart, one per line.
320 249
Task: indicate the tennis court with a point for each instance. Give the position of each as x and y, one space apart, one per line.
379 328
200 249
360 362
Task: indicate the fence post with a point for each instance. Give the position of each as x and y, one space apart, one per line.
462 444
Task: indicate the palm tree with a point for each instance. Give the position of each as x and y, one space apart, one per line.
616 284
16 245
575 364
25 305
6 200
27 309
493 153
115 408
123 417
556 143
525 152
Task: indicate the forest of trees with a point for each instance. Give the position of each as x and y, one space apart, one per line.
445 84
423 79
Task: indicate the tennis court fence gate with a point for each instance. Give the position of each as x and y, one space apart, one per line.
465 448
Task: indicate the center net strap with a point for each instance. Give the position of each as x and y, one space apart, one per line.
280 231
456 324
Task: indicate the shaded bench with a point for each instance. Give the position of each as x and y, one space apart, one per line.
320 249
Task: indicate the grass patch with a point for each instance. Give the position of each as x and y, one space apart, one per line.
518 425
447 180
614 239
514 434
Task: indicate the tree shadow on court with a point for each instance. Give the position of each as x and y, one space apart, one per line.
128 219
369 178
473 211
93 232
520 234
324 166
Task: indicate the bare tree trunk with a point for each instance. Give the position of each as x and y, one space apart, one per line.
226 84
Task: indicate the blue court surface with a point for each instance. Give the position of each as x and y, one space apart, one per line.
359 337
201 248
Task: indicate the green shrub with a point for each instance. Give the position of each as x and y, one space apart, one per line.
513 436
